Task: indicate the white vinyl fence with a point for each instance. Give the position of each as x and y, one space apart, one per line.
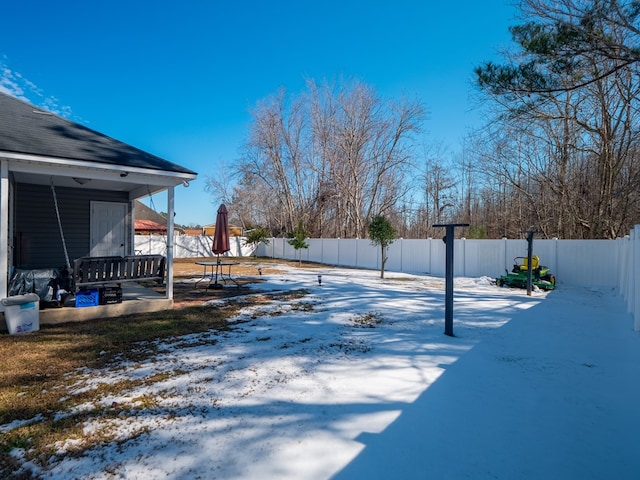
188 246
589 263
629 280
573 262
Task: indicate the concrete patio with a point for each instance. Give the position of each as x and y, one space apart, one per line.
135 299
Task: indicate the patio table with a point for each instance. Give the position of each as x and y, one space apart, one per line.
217 270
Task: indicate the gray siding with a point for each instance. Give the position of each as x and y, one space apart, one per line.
37 235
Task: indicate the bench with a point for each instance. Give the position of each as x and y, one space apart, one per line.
101 271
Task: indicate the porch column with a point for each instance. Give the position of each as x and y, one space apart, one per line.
4 227
170 213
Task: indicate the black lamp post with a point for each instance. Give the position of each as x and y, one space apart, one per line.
529 260
448 240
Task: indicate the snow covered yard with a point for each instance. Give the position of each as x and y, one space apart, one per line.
357 380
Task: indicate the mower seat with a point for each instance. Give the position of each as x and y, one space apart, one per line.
535 263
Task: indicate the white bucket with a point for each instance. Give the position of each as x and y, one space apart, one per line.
22 313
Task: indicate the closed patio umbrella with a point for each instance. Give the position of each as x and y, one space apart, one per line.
221 235
220 238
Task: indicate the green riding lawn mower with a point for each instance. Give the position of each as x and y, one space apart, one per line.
541 276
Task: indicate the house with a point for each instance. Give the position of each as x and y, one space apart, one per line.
210 230
192 232
67 192
149 222
143 212
149 227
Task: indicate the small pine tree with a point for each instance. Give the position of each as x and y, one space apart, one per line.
381 233
256 236
297 239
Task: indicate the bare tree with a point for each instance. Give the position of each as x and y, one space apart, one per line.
566 153
332 156
438 184
274 157
368 153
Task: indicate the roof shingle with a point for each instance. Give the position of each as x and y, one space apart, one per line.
26 129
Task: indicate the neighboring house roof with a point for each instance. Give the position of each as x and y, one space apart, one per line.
143 212
29 130
149 226
147 214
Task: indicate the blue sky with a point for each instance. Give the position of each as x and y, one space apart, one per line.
178 79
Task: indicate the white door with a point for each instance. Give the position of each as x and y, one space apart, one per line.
108 228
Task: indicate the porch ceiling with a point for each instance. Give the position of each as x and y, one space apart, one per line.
76 174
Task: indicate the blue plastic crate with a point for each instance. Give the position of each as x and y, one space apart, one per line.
87 298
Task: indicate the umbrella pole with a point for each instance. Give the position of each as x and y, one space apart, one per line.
215 283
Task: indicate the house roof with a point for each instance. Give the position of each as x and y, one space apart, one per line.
29 130
142 212
149 226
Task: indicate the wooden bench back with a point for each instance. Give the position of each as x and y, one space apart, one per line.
89 271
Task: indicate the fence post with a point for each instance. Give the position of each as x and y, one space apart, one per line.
623 271
555 257
504 253
464 256
635 281
628 292
356 249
